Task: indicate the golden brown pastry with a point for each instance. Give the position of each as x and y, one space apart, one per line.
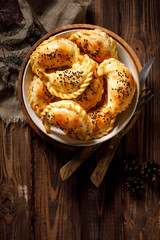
38 95
53 53
121 85
72 82
102 121
94 91
96 43
70 117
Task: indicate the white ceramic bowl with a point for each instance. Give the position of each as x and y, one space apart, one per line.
126 56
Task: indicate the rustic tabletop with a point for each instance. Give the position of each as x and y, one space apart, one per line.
35 203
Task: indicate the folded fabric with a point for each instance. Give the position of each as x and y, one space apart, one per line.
22 24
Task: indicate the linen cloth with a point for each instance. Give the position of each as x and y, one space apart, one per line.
22 23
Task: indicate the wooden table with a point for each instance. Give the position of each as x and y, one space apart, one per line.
36 204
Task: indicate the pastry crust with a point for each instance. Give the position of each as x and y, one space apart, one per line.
53 53
102 123
72 82
96 43
94 91
121 85
70 117
119 90
38 95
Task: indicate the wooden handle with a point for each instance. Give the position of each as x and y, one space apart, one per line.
104 162
81 156
70 167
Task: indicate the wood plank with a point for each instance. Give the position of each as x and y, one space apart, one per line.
15 182
110 201
109 150
89 198
56 209
63 210
79 158
139 18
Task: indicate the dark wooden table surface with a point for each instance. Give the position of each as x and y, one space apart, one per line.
36 204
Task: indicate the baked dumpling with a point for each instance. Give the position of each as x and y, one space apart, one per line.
102 121
94 91
38 95
53 53
72 82
121 85
96 43
70 117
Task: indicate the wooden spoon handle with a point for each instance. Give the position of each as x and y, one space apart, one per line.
70 167
104 162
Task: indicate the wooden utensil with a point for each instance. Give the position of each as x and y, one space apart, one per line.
104 162
81 156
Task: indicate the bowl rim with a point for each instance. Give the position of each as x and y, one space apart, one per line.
116 37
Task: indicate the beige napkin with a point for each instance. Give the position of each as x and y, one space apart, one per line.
22 24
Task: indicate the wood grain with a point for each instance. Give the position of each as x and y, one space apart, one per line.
138 22
15 182
36 204
56 213
79 158
109 150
